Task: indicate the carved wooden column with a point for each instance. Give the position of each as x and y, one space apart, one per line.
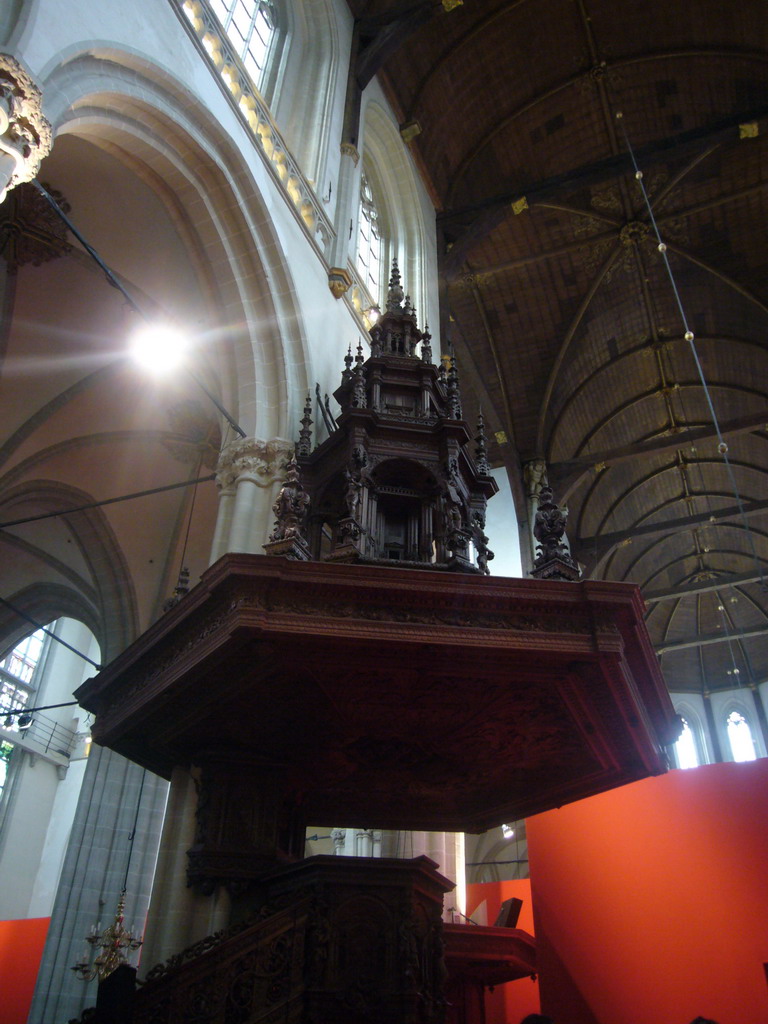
25 135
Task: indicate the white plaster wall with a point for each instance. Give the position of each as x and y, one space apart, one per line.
46 879
43 797
25 828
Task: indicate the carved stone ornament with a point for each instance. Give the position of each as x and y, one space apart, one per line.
262 462
195 438
30 230
347 149
25 135
339 281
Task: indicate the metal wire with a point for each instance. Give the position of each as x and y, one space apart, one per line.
722 446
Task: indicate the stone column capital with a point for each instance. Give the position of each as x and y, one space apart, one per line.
260 462
25 134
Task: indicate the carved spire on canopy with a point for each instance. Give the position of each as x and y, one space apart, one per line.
290 508
359 397
554 561
454 397
305 434
426 347
395 293
481 450
346 373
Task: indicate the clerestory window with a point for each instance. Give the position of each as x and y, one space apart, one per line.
17 683
686 753
250 26
740 738
369 247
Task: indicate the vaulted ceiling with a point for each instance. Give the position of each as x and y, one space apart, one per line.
530 120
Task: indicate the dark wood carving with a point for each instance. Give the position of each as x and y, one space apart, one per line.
553 559
382 697
332 939
395 481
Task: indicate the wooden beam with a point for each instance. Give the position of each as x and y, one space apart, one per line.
381 37
563 476
592 549
710 638
469 224
704 587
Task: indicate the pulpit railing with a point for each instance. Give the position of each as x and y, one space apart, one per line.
241 976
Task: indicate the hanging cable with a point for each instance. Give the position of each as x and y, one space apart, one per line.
108 501
722 446
191 513
116 283
132 833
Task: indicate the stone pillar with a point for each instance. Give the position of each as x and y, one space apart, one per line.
249 474
179 915
760 712
534 477
714 735
94 872
357 842
446 849
25 135
346 219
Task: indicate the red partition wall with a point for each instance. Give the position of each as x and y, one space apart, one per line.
508 1003
21 947
651 902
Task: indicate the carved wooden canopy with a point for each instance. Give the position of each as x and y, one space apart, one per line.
388 697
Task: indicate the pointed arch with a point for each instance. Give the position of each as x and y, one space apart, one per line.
254 352
393 181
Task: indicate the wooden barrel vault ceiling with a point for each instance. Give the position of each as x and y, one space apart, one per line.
560 306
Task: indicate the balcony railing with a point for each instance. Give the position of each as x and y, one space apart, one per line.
216 49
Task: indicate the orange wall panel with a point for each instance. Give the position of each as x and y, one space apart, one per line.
21 947
508 1003
651 902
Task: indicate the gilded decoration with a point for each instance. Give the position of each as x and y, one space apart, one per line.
339 281
25 135
347 149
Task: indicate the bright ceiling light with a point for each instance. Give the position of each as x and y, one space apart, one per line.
159 348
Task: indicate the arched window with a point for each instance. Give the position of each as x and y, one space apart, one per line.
17 683
250 26
686 751
740 738
398 195
369 245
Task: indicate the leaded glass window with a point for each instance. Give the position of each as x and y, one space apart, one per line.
250 26
17 671
740 738
686 753
369 241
